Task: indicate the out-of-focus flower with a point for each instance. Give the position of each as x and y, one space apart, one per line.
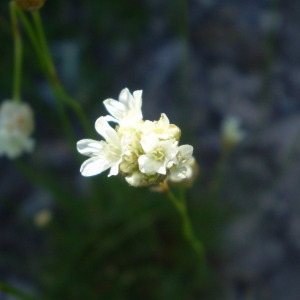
30 5
144 152
16 126
42 218
232 133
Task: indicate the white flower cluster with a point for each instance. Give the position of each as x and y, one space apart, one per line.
144 152
16 126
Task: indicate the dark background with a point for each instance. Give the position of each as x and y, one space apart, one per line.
199 62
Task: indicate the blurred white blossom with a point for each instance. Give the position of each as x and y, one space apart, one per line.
16 126
232 133
144 152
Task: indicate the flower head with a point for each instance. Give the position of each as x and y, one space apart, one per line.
16 126
144 152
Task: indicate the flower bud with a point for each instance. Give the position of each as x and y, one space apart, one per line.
30 5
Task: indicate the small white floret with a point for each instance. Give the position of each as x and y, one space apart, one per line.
127 110
104 154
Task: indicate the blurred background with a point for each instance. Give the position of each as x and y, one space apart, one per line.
63 236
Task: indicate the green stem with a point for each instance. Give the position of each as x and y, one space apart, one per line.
9 290
53 74
49 71
44 45
17 53
37 37
187 228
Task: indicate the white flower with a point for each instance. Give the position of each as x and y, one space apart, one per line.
16 126
127 110
159 155
182 170
104 154
231 132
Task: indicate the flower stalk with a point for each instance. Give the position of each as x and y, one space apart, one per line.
52 74
17 53
187 229
38 39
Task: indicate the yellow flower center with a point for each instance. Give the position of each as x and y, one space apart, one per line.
159 154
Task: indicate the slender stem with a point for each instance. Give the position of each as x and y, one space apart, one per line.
32 36
48 69
37 37
8 289
187 228
268 65
50 73
44 45
53 74
17 53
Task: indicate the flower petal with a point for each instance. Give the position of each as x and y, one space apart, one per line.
115 108
89 147
108 133
125 97
128 109
137 95
109 118
94 165
149 165
164 120
114 170
149 142
186 150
